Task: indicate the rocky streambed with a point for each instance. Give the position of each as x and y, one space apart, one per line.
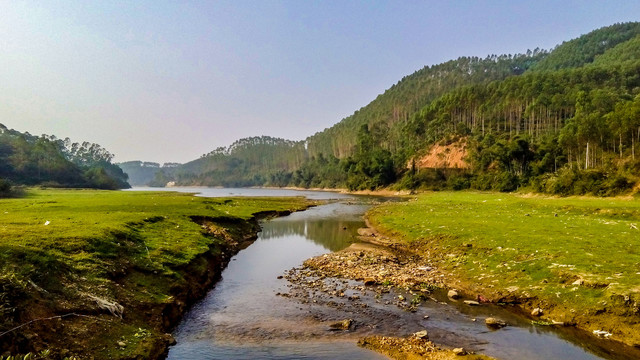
391 295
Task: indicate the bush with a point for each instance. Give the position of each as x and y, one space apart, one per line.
459 182
483 182
571 181
5 186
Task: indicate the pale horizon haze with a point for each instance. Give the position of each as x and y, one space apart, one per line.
167 81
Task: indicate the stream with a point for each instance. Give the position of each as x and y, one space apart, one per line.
246 316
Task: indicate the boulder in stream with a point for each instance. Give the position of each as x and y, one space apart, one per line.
494 323
453 294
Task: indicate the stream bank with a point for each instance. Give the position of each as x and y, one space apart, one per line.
110 274
403 277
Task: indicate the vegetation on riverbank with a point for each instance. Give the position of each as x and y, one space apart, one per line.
575 258
106 274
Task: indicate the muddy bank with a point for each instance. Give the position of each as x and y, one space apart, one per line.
134 321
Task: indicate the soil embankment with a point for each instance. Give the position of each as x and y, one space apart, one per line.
144 306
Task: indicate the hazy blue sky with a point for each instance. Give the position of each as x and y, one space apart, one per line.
169 81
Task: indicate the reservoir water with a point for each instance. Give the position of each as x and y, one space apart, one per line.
246 316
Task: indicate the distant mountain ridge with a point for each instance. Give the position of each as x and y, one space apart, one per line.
560 121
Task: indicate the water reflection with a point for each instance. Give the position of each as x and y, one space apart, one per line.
330 226
244 318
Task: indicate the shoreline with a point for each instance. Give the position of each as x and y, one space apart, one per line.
204 282
528 306
144 305
410 269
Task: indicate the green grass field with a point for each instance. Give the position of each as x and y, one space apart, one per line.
581 255
59 248
83 227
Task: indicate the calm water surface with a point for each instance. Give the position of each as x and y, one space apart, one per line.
244 318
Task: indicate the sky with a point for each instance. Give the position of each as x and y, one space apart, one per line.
167 81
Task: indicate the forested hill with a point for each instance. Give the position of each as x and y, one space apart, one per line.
561 121
26 159
254 161
143 172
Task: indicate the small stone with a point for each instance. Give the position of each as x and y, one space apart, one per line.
578 282
425 317
370 281
494 323
453 294
400 297
459 352
280 277
341 325
423 334
169 339
471 303
536 312
122 344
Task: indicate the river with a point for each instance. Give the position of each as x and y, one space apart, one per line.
245 315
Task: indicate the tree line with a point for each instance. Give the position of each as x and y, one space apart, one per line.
45 160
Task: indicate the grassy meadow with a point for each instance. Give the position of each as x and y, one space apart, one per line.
577 258
62 249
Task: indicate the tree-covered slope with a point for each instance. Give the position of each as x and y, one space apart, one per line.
586 48
45 160
402 100
251 161
564 121
623 52
143 172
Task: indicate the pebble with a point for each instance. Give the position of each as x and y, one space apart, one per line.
536 312
494 323
423 334
342 325
459 352
453 294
